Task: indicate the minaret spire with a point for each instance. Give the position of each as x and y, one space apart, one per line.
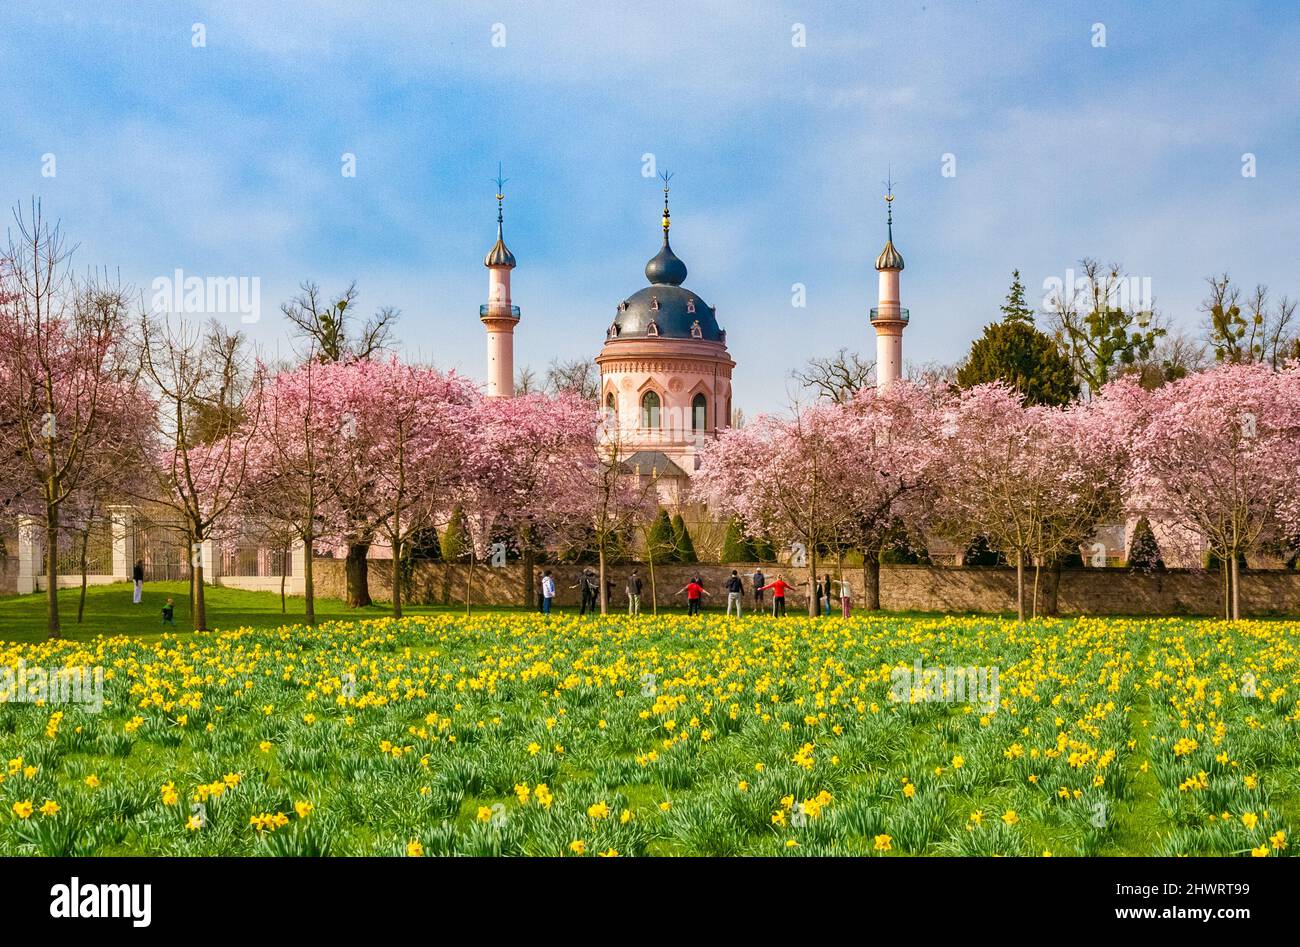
889 319
665 267
666 178
498 315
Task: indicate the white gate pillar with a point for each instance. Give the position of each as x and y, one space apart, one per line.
27 566
122 524
211 552
298 569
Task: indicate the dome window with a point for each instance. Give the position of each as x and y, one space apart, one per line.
652 328
650 410
699 413
654 303
690 305
696 331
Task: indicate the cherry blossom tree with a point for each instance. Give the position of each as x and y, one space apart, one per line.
1218 453
784 477
63 391
396 438
882 445
422 422
287 487
196 444
1009 469
520 475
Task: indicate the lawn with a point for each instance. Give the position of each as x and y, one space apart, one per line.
509 734
109 611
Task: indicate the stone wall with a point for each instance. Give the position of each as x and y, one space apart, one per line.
902 588
8 575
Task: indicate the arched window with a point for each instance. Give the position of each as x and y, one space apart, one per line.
611 405
699 413
650 410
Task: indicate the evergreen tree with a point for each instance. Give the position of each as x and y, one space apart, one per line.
1023 358
682 541
1014 309
764 550
1144 551
661 546
736 546
455 541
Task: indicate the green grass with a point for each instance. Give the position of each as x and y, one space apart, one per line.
109 611
703 731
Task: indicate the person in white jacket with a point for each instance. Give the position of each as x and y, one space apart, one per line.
548 591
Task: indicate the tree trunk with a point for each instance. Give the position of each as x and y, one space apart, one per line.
397 578
1020 586
871 579
199 605
1235 573
1038 571
1053 587
469 577
812 580
52 569
1227 588
284 575
308 580
358 579
81 602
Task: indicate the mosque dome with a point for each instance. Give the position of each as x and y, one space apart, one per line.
665 308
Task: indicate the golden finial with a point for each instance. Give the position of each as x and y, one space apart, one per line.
666 178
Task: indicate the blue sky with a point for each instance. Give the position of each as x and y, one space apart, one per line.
225 160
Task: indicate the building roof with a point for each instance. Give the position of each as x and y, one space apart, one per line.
653 463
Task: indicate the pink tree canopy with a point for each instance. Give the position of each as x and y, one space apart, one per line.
1218 453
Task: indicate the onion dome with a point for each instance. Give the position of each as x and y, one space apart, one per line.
499 255
665 308
890 258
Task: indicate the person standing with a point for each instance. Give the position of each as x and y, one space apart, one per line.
846 598
826 593
548 591
735 592
693 590
587 584
758 579
137 576
778 595
634 593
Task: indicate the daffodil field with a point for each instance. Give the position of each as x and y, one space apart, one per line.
515 735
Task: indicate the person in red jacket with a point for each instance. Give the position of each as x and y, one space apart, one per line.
778 595
693 590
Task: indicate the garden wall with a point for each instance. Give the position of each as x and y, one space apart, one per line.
902 588
8 575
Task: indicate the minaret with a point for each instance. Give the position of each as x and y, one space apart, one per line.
888 318
498 315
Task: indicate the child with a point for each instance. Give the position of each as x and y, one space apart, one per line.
169 611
